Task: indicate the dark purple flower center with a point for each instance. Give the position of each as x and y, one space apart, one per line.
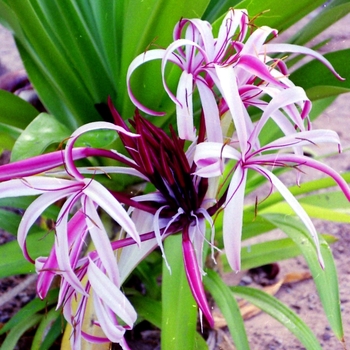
161 158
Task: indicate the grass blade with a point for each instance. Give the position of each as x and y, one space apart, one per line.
229 308
281 313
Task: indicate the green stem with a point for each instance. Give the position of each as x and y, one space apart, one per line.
179 319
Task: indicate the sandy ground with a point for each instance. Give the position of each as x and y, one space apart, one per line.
263 331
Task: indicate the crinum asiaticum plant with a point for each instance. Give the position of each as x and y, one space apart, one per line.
195 171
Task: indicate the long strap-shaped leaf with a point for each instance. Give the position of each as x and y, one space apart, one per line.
281 313
179 310
326 279
229 308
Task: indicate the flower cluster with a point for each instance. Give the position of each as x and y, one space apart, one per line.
187 169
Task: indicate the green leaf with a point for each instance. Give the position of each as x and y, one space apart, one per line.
217 9
16 332
77 52
42 132
153 29
313 210
148 308
97 139
276 14
149 274
254 224
179 319
12 261
298 190
330 14
49 329
151 310
280 312
329 200
8 135
54 332
9 221
319 82
14 111
319 106
268 252
326 279
229 308
30 309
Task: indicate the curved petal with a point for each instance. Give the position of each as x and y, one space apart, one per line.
298 209
282 99
209 156
63 247
233 218
110 294
303 138
256 40
194 279
101 196
300 49
184 107
307 161
234 19
138 61
255 67
211 112
101 242
229 90
32 213
32 186
68 152
110 327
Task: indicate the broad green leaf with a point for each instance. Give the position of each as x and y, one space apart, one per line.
217 9
50 327
23 203
6 141
14 111
77 52
8 18
313 210
228 307
276 14
318 106
179 318
281 313
254 224
330 14
55 331
9 221
319 82
148 308
302 189
16 332
264 253
149 274
42 132
329 200
12 261
152 29
151 310
30 309
56 97
97 139
8 135
62 82
326 279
